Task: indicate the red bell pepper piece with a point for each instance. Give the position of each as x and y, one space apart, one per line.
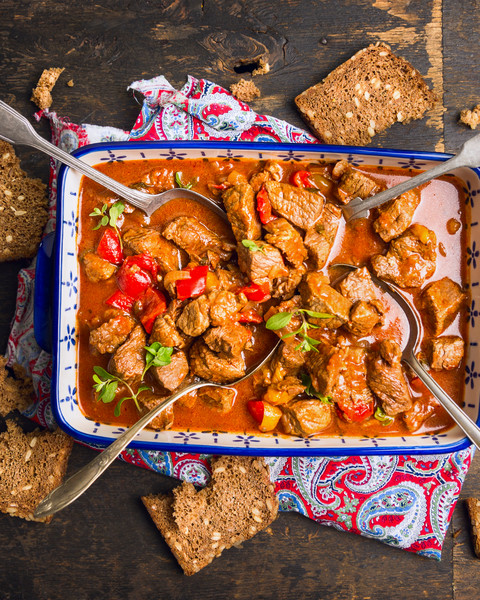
354 412
256 409
109 247
249 316
301 179
220 186
266 415
132 279
145 262
153 303
264 206
195 285
120 300
256 292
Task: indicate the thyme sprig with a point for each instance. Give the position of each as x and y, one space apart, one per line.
282 319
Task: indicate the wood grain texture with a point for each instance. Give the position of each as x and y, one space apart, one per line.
104 545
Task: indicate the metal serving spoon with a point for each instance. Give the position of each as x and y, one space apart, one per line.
16 129
469 156
469 427
73 487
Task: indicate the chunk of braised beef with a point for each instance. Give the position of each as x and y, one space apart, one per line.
441 301
128 361
387 380
195 317
306 417
445 352
220 399
366 312
166 332
165 419
172 375
286 238
286 362
320 238
317 295
111 334
397 215
224 307
239 202
230 279
410 259
340 373
353 184
96 268
200 243
229 340
364 316
210 366
420 411
263 264
285 287
143 240
297 205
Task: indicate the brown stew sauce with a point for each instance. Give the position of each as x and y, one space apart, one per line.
442 199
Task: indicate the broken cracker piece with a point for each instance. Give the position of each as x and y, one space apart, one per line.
237 503
262 69
245 90
471 117
16 392
31 465
473 506
41 94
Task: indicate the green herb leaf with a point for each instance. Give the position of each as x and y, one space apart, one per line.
117 411
115 211
109 391
178 179
157 356
279 321
382 417
252 246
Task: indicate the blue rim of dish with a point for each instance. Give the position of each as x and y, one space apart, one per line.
101 441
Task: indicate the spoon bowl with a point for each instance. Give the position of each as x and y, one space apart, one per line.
467 425
16 129
73 487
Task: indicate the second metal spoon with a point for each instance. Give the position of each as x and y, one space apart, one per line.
16 129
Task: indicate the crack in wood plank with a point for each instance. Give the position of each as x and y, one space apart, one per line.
434 48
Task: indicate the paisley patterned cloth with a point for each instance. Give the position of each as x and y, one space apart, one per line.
403 501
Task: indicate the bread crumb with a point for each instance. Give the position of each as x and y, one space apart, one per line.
41 94
471 117
70 83
262 69
245 91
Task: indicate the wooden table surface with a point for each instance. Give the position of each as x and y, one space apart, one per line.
104 545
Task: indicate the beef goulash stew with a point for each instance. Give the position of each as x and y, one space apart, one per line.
186 294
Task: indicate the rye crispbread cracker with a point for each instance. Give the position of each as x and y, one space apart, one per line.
41 93
245 90
237 503
31 466
16 390
23 208
473 506
363 96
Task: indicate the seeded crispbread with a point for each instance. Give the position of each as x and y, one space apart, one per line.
473 506
245 90
41 93
238 502
16 389
23 208
363 96
31 466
